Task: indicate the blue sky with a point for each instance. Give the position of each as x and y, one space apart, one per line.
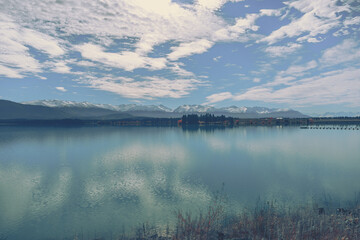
301 54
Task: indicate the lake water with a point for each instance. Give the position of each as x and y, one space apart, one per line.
56 183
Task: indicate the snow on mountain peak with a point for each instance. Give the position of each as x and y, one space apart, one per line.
60 103
183 109
194 109
149 108
234 109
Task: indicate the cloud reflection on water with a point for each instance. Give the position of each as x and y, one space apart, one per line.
107 178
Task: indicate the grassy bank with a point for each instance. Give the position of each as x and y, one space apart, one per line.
267 220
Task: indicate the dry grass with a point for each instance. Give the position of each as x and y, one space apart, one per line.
264 222
268 220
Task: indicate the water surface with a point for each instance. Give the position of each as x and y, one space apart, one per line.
57 183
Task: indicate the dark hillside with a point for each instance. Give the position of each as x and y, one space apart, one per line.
12 110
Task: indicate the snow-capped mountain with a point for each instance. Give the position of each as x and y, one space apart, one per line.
234 109
60 103
149 108
194 109
163 111
118 108
336 114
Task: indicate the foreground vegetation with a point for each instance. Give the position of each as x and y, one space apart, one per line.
268 220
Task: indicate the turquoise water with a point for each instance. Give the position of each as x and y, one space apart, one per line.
58 183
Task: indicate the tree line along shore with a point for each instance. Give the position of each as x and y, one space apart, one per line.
186 120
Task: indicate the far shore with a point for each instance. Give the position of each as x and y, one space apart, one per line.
195 121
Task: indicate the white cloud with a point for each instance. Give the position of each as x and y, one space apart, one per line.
147 88
98 28
240 31
244 28
348 50
125 60
299 70
334 87
216 59
288 76
211 4
341 32
256 80
85 63
314 40
9 72
41 42
329 87
218 97
283 51
61 89
107 22
214 4
187 49
352 21
176 68
318 17
61 67
119 20
270 12
15 54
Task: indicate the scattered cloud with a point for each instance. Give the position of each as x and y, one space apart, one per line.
61 89
341 86
348 50
314 40
125 60
111 46
61 67
213 4
203 76
334 87
300 70
318 17
187 49
352 21
179 70
145 88
15 58
218 97
283 51
85 64
320 90
216 59
170 21
288 76
241 31
341 32
9 72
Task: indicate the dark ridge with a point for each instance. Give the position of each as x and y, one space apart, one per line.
12 110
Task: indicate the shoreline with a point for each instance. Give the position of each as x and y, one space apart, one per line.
178 122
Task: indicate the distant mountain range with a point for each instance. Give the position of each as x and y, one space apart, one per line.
13 110
337 114
56 109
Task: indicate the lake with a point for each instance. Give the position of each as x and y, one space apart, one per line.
58 183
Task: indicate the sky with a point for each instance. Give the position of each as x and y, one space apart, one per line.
302 54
